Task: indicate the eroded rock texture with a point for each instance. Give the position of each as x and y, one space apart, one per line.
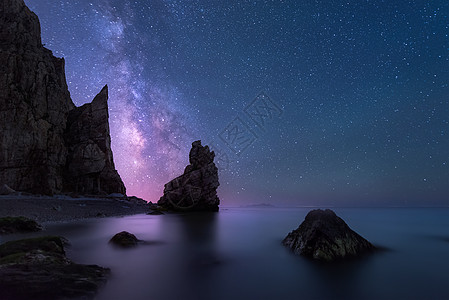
90 165
34 108
324 236
196 189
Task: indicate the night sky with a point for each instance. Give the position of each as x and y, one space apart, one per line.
305 102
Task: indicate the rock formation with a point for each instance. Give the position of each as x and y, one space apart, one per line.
196 189
90 165
325 236
47 145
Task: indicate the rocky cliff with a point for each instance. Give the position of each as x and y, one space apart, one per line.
196 189
47 145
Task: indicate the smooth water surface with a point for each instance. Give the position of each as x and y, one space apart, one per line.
237 254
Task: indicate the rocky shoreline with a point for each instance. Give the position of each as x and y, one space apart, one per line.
40 262
63 208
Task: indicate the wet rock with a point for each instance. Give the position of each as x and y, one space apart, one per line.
47 144
18 225
324 236
124 239
40 265
196 189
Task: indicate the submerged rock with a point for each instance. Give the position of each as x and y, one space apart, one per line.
38 269
325 236
18 224
124 239
196 189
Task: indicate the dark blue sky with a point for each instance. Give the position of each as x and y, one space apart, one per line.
356 106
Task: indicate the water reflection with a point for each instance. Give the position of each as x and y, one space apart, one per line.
198 255
200 237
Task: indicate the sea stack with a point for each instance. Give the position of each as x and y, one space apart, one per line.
326 237
47 145
196 189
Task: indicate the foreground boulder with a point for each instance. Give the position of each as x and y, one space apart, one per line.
47 145
324 236
124 239
38 269
196 189
18 225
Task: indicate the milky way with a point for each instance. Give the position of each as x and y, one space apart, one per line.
150 133
357 94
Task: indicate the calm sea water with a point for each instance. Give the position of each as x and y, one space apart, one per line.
237 254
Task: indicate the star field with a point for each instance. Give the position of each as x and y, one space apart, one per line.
358 92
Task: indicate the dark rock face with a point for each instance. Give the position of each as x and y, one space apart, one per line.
90 165
124 239
196 189
34 102
18 224
40 265
35 107
325 236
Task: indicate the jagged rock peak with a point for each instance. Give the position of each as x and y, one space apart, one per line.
90 163
199 157
102 97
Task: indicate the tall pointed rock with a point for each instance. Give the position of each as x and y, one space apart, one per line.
90 162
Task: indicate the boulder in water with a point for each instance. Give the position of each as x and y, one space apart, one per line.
124 239
324 236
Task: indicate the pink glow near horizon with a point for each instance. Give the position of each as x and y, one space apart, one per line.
145 123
